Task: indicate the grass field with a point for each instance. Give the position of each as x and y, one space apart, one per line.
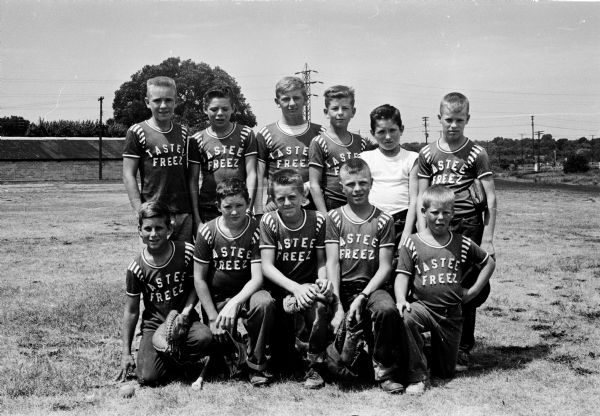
65 248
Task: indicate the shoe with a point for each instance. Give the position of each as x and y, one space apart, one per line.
463 361
392 387
260 378
416 389
313 380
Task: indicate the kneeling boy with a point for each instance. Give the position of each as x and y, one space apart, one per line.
228 276
360 245
162 274
430 267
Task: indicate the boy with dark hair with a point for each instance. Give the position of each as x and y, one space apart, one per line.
430 268
228 276
223 150
284 144
359 244
162 274
156 148
330 149
293 261
456 162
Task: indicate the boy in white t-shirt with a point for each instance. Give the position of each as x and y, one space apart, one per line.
394 171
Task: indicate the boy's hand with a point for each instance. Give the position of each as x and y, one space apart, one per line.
226 318
403 306
219 334
338 317
355 310
325 287
305 295
127 366
488 246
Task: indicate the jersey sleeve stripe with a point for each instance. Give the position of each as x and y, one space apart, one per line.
199 260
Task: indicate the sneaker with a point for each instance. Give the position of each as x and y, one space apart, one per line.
416 389
260 378
313 380
462 364
392 387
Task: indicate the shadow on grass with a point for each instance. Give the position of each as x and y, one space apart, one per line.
511 357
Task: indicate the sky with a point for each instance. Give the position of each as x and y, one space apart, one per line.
512 59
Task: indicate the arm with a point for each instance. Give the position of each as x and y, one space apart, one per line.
489 216
251 179
131 314
379 278
413 194
200 275
130 168
400 292
423 185
305 293
482 279
228 315
315 175
333 275
193 182
260 178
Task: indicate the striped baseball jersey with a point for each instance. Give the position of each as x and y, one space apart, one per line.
436 271
220 158
295 249
229 257
359 244
328 154
456 170
163 287
162 164
279 150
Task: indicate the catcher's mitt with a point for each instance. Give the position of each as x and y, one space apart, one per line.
170 334
291 305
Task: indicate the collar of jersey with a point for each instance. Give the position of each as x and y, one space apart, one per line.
435 246
359 222
338 142
292 229
278 124
159 130
212 134
453 151
236 236
165 263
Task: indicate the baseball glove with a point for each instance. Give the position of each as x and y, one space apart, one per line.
171 334
291 305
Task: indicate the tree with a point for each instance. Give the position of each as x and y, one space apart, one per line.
13 126
576 162
193 80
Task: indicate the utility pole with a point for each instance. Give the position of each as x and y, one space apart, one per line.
532 142
425 124
522 154
100 141
307 83
538 152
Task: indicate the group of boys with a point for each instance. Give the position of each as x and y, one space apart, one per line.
315 260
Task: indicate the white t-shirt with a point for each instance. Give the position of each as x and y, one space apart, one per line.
390 179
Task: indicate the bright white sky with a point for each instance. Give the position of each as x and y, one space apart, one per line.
512 60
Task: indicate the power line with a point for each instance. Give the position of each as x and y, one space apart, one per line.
307 83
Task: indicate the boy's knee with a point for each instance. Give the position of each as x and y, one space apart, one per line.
263 302
199 337
147 375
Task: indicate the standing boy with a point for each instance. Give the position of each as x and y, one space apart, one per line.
360 244
228 276
394 171
330 149
430 268
455 161
162 274
223 150
157 149
293 258
284 144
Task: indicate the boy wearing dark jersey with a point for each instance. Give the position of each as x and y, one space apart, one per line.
284 144
162 274
330 149
223 150
228 276
455 162
293 258
430 269
156 148
360 244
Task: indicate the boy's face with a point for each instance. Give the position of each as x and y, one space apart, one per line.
339 112
453 120
288 200
233 209
219 111
438 217
387 133
155 233
161 102
292 102
356 186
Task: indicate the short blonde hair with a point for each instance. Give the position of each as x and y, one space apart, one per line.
287 84
437 193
